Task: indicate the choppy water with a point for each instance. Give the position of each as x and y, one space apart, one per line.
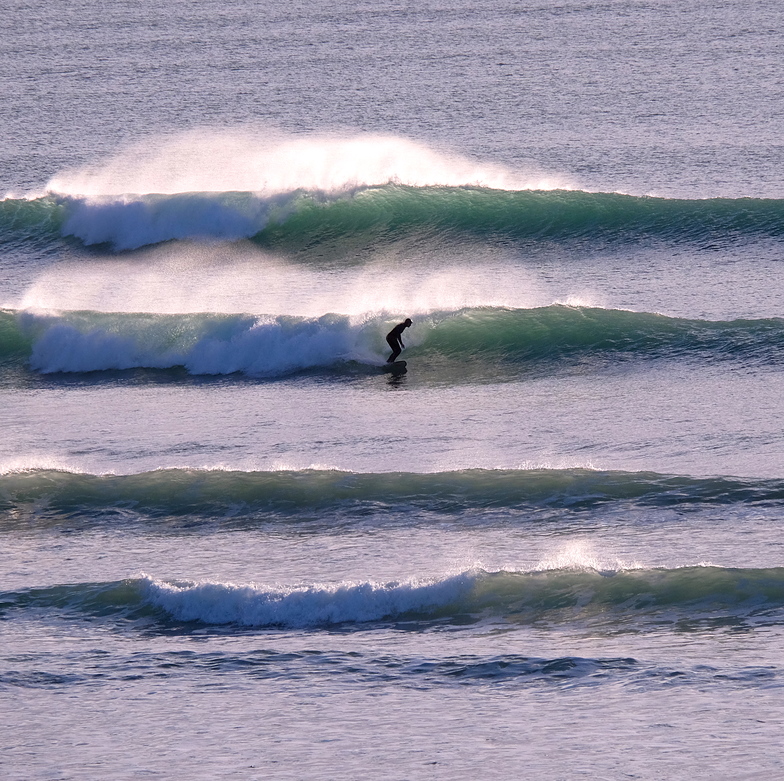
233 547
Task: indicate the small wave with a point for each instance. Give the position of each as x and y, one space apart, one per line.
636 598
233 497
359 669
557 595
488 340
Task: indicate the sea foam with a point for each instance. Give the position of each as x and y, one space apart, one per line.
209 345
252 605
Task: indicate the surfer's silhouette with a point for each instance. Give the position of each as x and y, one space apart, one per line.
394 339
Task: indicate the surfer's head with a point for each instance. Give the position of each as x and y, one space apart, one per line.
408 322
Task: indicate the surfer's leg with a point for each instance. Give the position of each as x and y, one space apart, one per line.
395 350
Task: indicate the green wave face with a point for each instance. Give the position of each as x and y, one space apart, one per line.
695 593
395 211
33 222
15 344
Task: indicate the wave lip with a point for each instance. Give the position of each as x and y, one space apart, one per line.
31 220
129 222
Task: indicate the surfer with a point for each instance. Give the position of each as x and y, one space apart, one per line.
394 340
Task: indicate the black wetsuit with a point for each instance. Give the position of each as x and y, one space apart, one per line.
395 342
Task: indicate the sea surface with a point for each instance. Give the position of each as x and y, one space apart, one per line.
232 546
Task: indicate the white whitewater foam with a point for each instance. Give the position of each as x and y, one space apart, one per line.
131 221
314 605
258 346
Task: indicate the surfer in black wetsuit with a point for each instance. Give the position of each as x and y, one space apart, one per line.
394 340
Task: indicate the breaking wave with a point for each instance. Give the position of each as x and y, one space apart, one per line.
635 598
368 215
489 340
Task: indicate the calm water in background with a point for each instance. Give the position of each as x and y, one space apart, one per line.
233 548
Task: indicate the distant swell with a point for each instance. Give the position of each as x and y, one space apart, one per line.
368 215
42 497
635 598
485 341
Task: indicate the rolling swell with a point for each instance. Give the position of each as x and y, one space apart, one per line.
634 599
490 341
37 499
366 216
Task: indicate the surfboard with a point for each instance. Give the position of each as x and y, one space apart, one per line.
398 367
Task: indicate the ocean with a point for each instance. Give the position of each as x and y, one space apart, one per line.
235 547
